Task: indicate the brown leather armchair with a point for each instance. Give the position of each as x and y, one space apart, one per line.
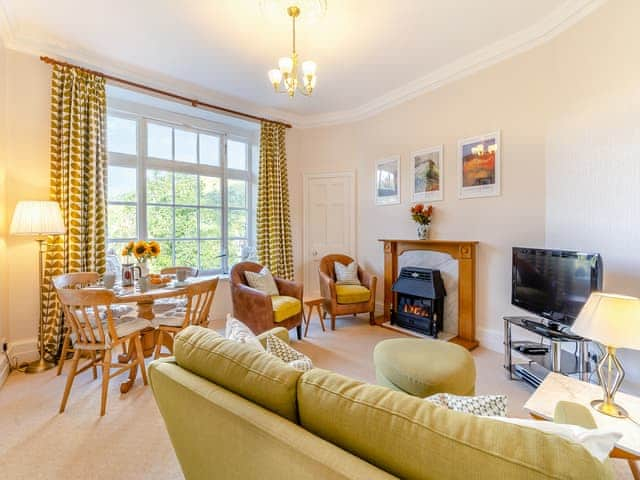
348 304
255 308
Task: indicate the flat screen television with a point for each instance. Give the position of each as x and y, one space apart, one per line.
554 284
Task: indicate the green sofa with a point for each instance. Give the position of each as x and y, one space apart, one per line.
233 412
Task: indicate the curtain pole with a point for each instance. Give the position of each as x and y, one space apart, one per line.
194 103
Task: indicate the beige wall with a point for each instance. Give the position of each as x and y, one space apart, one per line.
3 200
528 98
27 178
593 151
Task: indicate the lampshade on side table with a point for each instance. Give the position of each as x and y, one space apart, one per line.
38 219
613 321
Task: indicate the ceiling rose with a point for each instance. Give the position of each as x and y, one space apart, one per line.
310 10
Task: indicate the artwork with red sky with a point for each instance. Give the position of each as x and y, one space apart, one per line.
479 163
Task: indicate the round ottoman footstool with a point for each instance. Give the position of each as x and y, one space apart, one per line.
424 367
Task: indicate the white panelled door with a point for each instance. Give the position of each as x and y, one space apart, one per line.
329 221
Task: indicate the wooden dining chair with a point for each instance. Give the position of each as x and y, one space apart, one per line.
98 339
199 298
72 280
166 304
191 271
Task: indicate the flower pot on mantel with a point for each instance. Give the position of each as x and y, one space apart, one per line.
423 231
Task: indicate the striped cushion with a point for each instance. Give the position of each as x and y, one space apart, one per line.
346 274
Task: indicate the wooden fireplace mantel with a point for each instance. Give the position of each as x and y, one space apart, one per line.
465 252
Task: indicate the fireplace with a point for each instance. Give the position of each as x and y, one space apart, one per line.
420 300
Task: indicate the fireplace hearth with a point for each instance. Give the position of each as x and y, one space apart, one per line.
420 300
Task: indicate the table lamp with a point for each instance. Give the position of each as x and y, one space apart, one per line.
38 219
613 321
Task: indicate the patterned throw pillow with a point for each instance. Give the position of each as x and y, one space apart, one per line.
482 405
290 356
262 281
346 274
238 332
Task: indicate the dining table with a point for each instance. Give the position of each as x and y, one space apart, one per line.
145 302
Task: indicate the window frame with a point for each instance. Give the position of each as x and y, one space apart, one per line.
143 115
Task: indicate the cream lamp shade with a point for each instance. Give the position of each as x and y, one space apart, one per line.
612 320
37 218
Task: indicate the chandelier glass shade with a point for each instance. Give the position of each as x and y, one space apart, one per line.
287 78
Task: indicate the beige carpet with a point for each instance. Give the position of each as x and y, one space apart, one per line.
130 441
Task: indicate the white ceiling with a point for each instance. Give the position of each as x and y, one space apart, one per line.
370 54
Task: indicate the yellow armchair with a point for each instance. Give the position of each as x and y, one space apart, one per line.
346 299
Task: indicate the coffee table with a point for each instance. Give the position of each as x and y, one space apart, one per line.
556 387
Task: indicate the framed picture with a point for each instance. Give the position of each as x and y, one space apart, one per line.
388 181
426 174
479 166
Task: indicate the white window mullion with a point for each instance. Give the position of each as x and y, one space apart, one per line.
224 248
142 164
198 243
142 179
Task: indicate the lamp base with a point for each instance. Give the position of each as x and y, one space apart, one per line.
611 409
38 366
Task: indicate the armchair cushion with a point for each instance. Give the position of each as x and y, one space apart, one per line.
285 307
346 274
348 294
263 281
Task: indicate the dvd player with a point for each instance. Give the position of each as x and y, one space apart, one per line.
532 373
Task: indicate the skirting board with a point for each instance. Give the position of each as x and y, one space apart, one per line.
23 351
491 339
4 368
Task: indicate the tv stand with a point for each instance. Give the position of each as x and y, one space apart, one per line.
536 366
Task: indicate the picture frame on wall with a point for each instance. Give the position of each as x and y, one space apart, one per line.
479 166
387 181
427 171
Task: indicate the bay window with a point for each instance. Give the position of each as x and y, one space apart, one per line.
190 186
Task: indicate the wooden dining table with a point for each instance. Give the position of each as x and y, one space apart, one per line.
145 302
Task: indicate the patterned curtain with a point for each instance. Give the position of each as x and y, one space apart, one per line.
78 184
275 249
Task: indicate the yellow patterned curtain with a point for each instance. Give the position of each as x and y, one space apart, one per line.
78 184
274 224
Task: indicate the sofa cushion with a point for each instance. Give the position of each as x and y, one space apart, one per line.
240 368
352 294
288 354
285 307
238 332
483 405
411 438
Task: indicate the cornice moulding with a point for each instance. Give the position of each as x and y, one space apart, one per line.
565 16
560 20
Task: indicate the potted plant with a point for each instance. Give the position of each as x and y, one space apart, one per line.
422 216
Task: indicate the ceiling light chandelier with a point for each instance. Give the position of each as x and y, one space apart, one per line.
285 78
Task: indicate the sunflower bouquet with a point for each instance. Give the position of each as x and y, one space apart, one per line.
142 250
